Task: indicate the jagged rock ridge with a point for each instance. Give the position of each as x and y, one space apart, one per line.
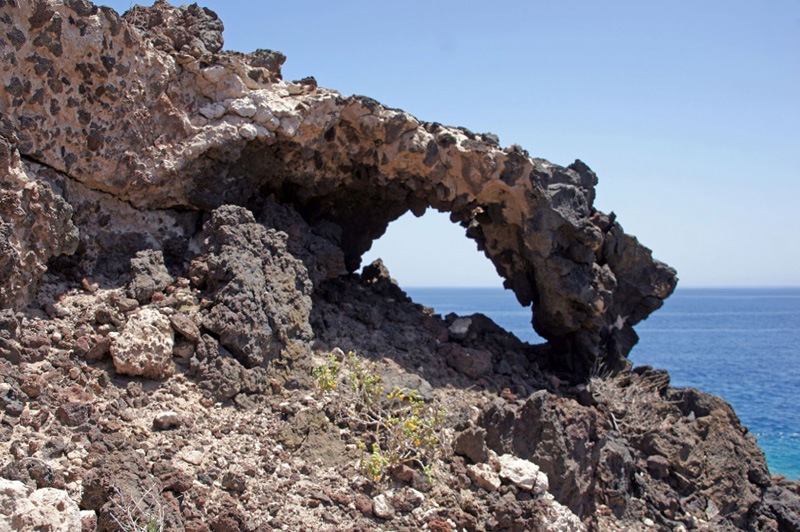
148 110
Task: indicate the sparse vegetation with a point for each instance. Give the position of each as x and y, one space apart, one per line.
326 375
394 428
138 514
629 402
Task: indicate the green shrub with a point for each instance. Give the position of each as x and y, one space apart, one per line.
393 428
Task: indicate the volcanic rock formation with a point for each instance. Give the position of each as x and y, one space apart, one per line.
180 231
148 114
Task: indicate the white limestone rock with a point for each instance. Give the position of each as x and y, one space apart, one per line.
215 73
524 474
459 328
559 518
248 131
167 420
212 111
381 507
244 107
484 476
26 510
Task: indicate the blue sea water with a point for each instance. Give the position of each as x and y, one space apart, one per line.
741 344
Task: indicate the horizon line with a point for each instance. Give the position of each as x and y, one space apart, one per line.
690 287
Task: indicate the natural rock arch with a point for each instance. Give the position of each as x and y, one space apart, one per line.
160 119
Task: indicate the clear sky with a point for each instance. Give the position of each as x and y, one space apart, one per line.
688 111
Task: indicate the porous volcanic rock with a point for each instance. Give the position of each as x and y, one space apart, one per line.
35 221
150 111
187 210
148 275
145 345
603 458
262 292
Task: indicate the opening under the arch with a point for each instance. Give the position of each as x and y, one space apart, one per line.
438 266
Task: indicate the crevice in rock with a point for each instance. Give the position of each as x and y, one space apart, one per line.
29 159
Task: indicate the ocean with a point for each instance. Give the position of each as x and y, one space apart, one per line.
742 344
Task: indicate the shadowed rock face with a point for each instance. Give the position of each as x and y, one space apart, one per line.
146 112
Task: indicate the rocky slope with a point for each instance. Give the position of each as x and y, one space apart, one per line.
179 232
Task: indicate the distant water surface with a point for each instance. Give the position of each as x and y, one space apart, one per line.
741 344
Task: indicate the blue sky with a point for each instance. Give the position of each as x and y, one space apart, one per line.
688 112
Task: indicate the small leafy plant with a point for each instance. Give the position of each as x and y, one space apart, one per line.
396 428
327 374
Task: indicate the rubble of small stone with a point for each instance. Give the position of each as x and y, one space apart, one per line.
179 234
90 417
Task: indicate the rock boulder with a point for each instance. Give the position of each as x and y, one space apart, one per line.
144 348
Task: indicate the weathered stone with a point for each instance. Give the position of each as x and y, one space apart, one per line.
217 370
50 508
103 315
524 474
172 29
81 346
784 504
74 413
148 275
33 473
127 304
459 328
144 348
542 514
177 481
116 482
167 420
88 521
33 385
658 465
184 325
99 350
261 291
234 482
363 504
193 457
348 163
381 507
183 350
413 497
12 407
35 226
472 444
471 362
484 476
559 436
26 510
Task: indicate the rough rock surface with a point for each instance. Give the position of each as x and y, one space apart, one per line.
35 221
148 275
524 474
262 292
683 453
217 445
25 510
154 114
145 345
179 234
